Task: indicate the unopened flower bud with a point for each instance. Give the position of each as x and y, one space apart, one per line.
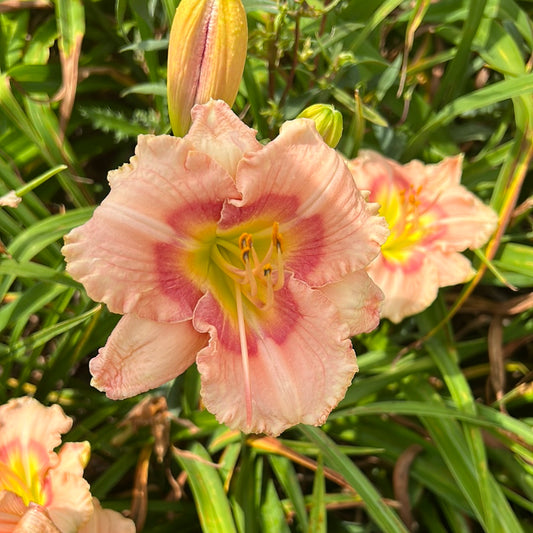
328 122
206 55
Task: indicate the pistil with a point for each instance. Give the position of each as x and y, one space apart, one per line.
244 352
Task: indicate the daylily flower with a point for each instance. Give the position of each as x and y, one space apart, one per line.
206 55
32 473
432 218
41 490
247 258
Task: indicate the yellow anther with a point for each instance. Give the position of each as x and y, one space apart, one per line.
277 238
245 244
267 270
245 254
245 241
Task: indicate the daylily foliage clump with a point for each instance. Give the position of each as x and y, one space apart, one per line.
432 218
41 490
246 258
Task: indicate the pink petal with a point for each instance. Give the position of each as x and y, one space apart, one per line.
73 457
436 177
298 181
358 300
134 253
452 267
141 355
300 360
107 521
70 505
407 291
218 132
36 520
29 425
465 221
12 509
372 171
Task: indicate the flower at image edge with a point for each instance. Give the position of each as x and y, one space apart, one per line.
33 472
432 218
41 490
248 259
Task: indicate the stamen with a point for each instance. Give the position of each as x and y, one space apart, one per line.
281 272
246 246
255 259
277 240
244 353
245 240
233 272
267 273
257 279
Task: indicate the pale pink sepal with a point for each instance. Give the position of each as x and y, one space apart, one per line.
297 373
219 133
358 300
407 292
141 355
467 221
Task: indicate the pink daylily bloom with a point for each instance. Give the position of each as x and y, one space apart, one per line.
238 256
35 480
432 218
41 490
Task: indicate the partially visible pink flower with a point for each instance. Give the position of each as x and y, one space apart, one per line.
432 218
246 258
42 491
32 474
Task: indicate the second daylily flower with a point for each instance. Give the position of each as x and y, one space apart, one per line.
246 258
432 218
41 490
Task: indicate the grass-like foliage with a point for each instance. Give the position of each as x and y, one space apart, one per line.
435 432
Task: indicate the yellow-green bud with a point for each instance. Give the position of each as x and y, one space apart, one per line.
328 122
206 55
